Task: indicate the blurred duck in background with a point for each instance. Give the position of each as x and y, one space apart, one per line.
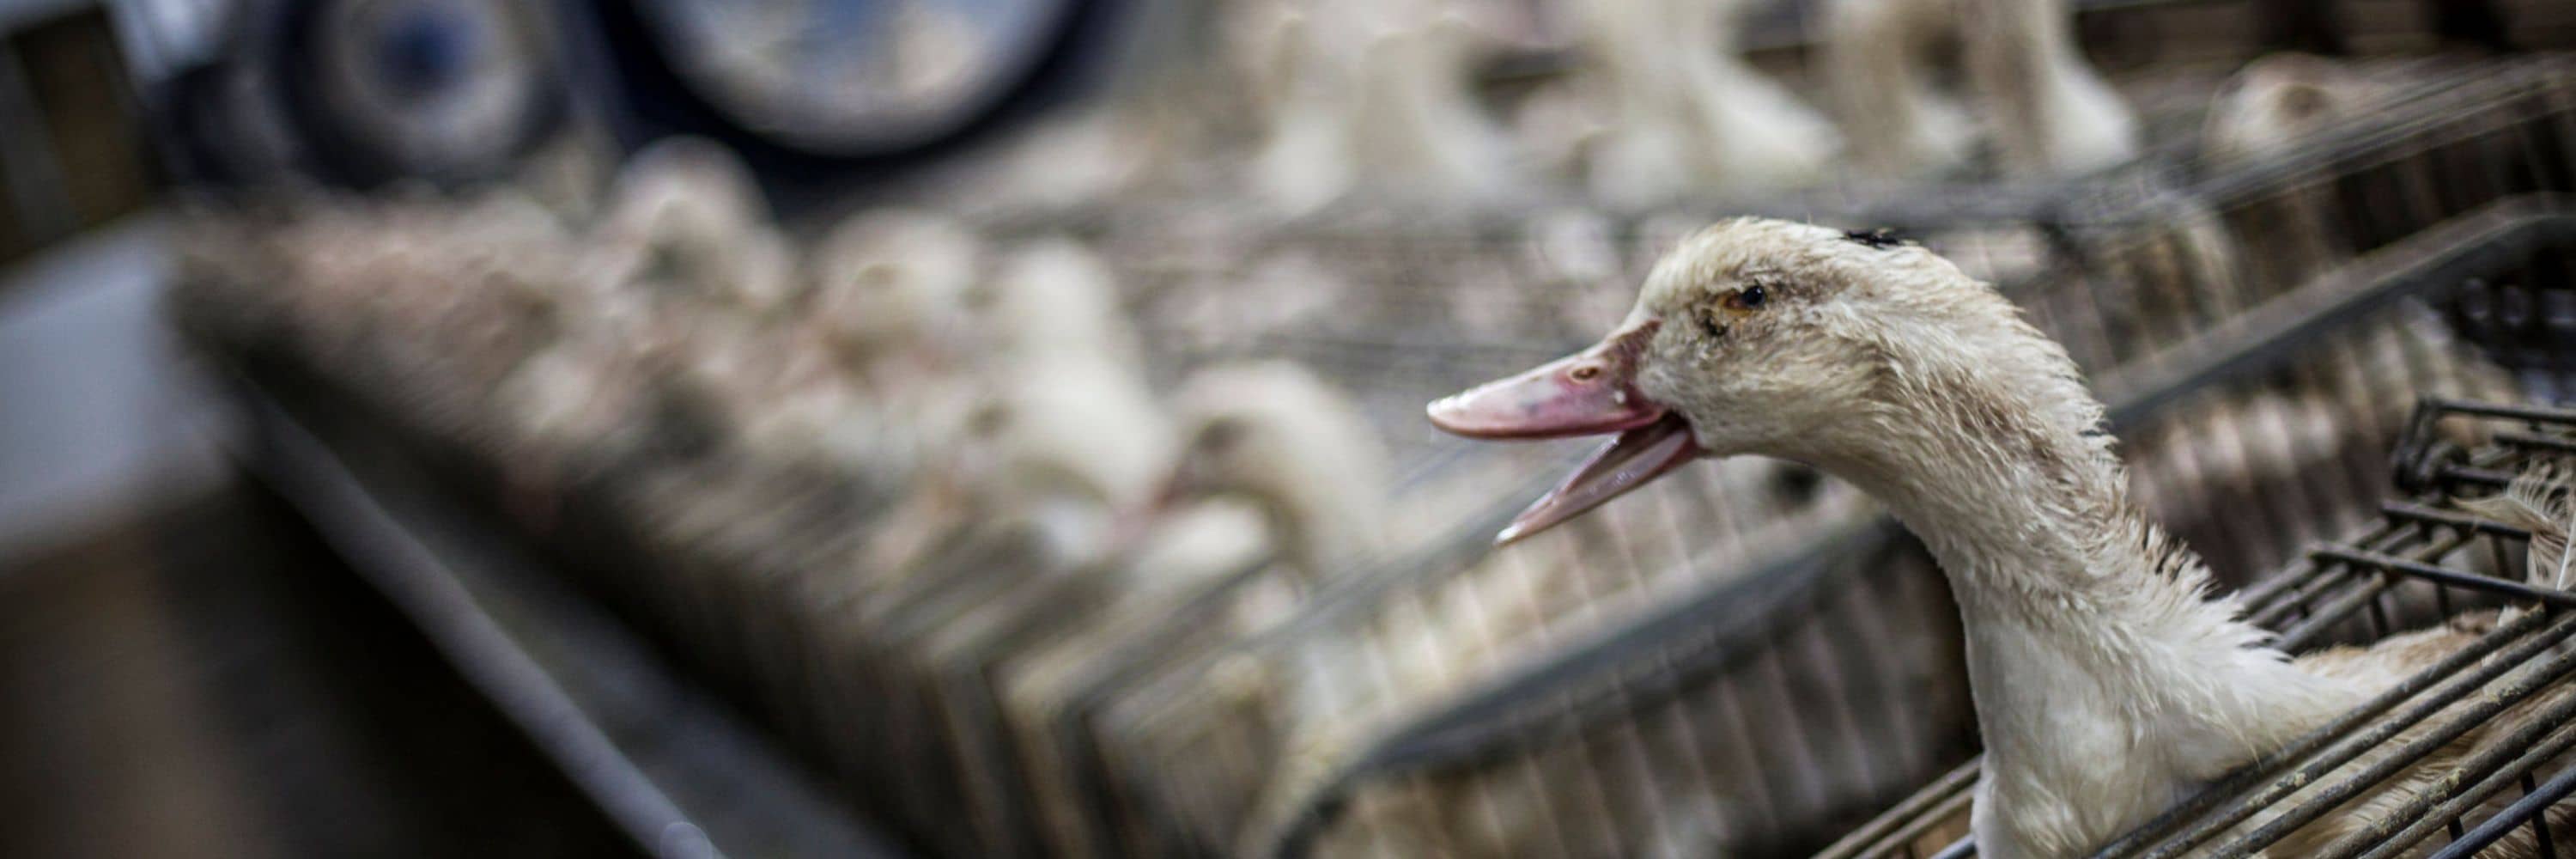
1276 438
1686 114
1360 94
1059 430
689 214
2279 100
890 291
2046 112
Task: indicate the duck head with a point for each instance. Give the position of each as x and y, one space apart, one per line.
1273 436
1848 351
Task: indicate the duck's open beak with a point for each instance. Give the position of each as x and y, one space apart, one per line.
1592 392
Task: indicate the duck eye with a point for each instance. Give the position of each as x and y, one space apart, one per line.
1220 435
1746 300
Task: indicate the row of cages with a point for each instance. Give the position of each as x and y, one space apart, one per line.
1750 657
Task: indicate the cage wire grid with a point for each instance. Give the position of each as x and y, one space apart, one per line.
2426 561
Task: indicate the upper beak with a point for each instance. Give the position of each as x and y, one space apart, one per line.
1592 392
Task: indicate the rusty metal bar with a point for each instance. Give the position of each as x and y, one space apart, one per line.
2532 806
2421 816
2268 766
2476 713
2454 578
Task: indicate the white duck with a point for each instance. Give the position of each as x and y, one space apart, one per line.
1876 68
1051 300
1690 114
1371 95
2048 113
2107 682
1273 435
890 286
2278 100
685 212
1274 467
2052 114
1048 457
1054 424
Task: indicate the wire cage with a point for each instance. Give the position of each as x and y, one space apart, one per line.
2259 331
1136 753
2426 562
2132 293
2273 405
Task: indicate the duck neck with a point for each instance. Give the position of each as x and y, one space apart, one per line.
1316 538
2107 684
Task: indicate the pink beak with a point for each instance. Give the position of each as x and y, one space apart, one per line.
1128 528
1592 392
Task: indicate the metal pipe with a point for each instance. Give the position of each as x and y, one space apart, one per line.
2422 817
2454 578
2532 806
2268 765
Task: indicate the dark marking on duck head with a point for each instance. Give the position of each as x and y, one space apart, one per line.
1880 238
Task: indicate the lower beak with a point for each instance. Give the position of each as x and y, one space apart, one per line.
1592 392
1633 459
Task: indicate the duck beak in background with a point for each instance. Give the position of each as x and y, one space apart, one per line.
1129 527
1592 392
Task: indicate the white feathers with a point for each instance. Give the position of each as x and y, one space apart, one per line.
2052 114
1053 300
890 288
1875 64
1367 94
688 212
1272 433
2046 111
2538 500
2277 101
1687 114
